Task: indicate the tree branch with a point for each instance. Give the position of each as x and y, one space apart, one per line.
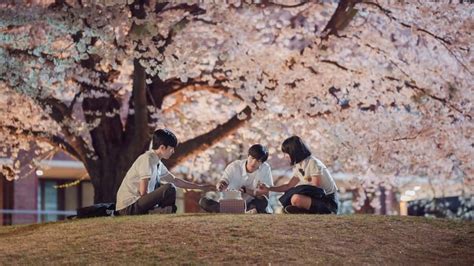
194 9
271 3
387 12
59 112
204 141
339 66
446 43
43 136
436 98
137 131
343 15
196 84
73 102
407 138
319 114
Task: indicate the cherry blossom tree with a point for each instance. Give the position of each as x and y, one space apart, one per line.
380 90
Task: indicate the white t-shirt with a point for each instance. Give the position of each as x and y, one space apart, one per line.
311 166
146 166
236 175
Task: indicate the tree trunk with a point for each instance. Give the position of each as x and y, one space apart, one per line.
107 175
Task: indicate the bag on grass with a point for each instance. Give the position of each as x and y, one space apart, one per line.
96 210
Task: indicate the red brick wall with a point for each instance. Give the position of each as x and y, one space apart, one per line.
6 200
25 198
2 195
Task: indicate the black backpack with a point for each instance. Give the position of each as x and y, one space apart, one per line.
96 210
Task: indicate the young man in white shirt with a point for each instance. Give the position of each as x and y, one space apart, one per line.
246 175
137 193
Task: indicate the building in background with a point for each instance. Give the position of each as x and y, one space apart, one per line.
50 193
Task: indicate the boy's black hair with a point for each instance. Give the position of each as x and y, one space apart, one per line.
259 152
164 137
295 147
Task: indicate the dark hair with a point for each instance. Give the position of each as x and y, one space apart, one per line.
164 137
296 148
259 152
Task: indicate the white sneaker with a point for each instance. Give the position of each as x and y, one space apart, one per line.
161 210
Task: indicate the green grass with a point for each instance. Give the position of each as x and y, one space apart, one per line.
241 239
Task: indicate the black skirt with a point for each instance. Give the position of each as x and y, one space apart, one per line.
312 192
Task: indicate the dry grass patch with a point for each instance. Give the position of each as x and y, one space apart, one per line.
242 239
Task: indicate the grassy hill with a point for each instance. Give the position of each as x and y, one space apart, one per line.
241 239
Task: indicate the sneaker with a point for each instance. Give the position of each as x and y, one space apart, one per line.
162 210
290 209
251 211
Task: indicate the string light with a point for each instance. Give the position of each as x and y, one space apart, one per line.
71 184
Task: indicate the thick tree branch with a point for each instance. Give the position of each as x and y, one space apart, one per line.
44 137
194 10
59 110
48 58
60 113
343 15
196 84
203 142
73 102
139 99
137 132
107 135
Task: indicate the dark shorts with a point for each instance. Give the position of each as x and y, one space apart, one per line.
318 196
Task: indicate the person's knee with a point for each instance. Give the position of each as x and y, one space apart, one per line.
261 202
169 197
170 190
297 200
261 205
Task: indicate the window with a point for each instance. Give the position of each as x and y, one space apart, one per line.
57 201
